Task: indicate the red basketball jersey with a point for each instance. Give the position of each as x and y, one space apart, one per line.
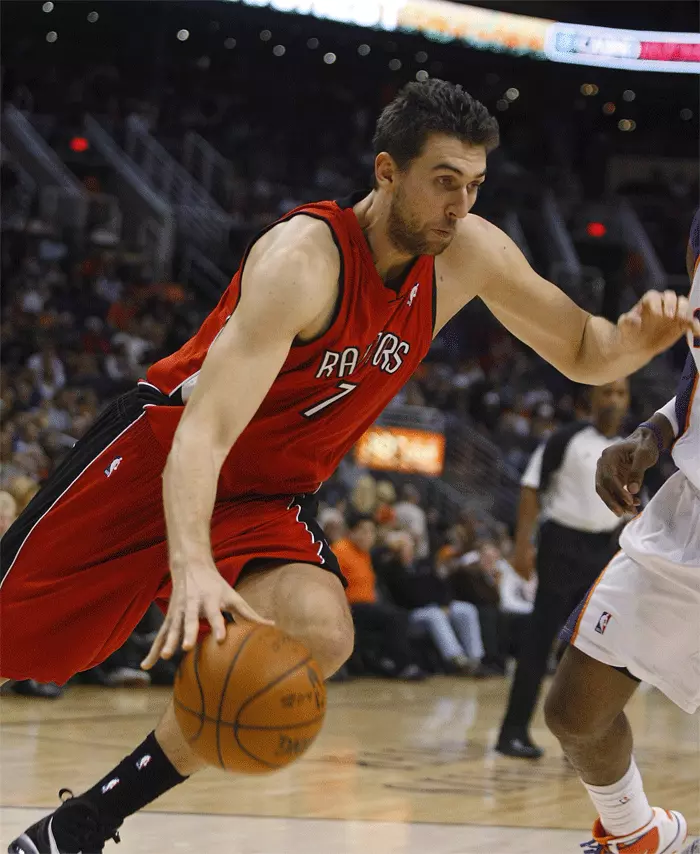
330 390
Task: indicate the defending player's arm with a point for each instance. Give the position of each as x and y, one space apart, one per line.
584 347
290 280
621 467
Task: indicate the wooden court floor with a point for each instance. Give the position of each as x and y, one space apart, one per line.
398 769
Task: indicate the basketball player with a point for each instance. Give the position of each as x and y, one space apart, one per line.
641 619
196 489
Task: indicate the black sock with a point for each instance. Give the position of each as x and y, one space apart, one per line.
142 777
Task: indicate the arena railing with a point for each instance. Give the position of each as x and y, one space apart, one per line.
201 219
213 171
150 219
46 168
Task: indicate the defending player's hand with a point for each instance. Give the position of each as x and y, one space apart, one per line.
657 321
620 472
198 593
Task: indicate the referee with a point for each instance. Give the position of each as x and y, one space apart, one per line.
577 538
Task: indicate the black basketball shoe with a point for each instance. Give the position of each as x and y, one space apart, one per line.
83 831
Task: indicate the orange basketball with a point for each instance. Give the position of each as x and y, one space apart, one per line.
253 703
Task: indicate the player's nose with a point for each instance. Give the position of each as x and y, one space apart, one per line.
459 206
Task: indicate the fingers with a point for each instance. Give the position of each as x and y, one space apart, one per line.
156 646
610 486
242 608
191 626
212 612
172 640
670 306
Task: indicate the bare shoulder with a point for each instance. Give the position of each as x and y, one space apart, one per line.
291 277
482 258
484 245
302 244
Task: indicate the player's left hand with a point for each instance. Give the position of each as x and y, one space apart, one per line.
620 471
657 321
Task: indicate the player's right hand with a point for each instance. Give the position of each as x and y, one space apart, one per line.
620 471
199 592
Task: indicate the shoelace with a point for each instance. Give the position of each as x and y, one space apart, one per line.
86 829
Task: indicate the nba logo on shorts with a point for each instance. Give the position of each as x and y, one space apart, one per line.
113 466
603 622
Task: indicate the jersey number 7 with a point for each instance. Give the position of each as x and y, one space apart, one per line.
345 389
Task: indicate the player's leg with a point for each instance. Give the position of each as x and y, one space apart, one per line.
306 602
75 563
546 620
585 710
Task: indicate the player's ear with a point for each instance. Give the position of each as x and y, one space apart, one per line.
384 170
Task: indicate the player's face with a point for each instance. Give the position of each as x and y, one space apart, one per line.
439 188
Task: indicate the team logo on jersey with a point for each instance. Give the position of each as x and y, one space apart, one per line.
113 466
414 292
603 622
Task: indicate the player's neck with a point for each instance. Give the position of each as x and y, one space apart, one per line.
390 262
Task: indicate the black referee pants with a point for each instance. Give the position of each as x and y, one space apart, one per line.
568 563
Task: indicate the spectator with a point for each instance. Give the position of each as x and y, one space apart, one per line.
375 621
333 524
8 511
363 497
49 373
452 626
459 562
411 517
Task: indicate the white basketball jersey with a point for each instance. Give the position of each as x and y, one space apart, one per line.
686 450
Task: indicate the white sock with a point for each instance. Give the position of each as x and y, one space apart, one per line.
622 807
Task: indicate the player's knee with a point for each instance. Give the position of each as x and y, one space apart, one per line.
568 719
318 614
330 640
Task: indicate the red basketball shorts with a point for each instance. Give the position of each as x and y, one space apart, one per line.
84 561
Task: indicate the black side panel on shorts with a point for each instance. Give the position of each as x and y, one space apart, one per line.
109 424
308 505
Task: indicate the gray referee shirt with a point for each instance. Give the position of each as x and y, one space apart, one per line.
563 469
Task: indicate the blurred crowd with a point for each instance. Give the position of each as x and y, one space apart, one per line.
428 594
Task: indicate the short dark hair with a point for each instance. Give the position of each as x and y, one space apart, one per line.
434 106
354 519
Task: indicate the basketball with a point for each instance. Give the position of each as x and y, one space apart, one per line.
253 703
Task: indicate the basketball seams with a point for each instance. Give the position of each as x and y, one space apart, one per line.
195 665
254 727
223 693
272 684
262 735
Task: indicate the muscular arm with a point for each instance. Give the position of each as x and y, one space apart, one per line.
584 347
289 280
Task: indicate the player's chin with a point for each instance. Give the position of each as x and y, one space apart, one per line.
437 242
